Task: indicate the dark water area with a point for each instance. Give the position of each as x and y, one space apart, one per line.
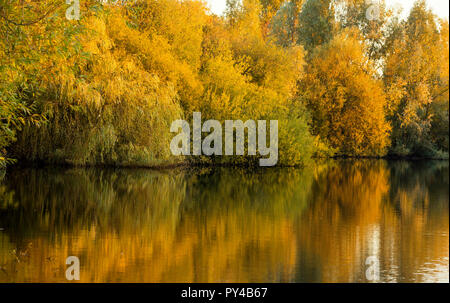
340 221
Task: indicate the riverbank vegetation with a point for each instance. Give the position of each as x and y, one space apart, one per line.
104 90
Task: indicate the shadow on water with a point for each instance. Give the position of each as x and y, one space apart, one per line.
317 224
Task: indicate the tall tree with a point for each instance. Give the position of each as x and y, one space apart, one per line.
284 24
372 18
269 9
416 78
316 23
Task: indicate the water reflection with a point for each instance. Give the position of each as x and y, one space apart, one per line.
212 225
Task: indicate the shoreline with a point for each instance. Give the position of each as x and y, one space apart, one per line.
187 165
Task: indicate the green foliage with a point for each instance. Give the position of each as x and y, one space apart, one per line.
33 40
317 23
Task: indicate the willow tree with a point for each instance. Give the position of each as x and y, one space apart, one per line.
30 34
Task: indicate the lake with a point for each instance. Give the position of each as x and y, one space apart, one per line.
336 221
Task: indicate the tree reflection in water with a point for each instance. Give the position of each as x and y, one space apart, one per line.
317 224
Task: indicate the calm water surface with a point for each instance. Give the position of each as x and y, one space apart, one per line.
318 224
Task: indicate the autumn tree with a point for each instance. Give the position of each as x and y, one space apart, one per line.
284 24
345 100
269 9
316 24
248 76
30 34
373 20
416 79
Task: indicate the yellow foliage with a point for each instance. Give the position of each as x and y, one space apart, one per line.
346 101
